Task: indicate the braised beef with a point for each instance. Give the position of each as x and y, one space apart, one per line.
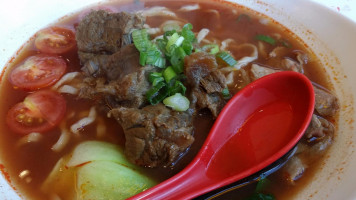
318 128
101 32
93 63
326 104
206 80
259 71
155 135
293 170
128 89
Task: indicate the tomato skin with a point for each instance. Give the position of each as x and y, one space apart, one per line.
37 72
55 40
45 109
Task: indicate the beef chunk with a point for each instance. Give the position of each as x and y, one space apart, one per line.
259 71
206 80
101 31
155 135
318 128
326 104
119 76
317 139
293 170
122 63
93 63
127 91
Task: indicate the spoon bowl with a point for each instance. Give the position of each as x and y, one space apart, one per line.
259 125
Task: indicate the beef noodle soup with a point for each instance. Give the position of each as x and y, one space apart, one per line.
117 98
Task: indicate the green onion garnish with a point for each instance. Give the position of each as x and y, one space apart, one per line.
175 86
173 40
227 58
168 74
226 93
177 102
171 51
211 48
266 38
153 76
149 52
157 93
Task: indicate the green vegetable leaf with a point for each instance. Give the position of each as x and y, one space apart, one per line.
266 38
227 58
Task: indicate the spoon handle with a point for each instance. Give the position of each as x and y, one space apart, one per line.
189 183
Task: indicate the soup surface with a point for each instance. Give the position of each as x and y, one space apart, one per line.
258 46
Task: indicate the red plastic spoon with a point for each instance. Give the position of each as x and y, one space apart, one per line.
257 126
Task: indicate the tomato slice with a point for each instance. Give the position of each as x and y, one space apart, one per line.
39 112
38 72
55 40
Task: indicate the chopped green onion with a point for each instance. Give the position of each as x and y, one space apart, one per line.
227 58
177 87
187 32
174 46
157 93
226 93
177 59
177 102
168 33
187 47
266 38
168 74
143 58
157 80
179 42
141 39
149 52
154 57
153 76
213 48
172 40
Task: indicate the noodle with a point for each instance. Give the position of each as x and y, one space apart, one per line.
66 78
32 137
188 8
78 126
158 11
202 34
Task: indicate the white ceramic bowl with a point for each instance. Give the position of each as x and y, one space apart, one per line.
331 37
